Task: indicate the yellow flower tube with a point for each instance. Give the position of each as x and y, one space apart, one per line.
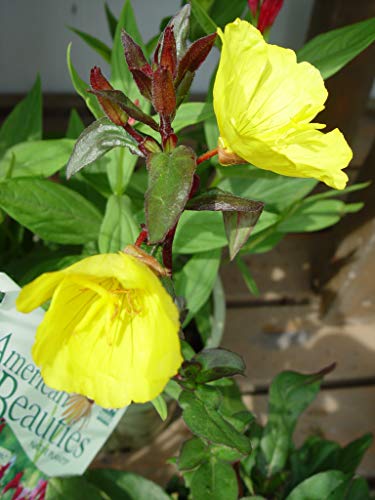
111 331
264 102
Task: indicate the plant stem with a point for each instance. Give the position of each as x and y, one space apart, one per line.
141 238
206 156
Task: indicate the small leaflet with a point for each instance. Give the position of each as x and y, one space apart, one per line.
35 415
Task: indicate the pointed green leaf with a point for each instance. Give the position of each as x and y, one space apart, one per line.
204 20
331 51
81 87
170 180
193 452
100 47
214 480
121 77
51 211
24 123
75 125
119 227
74 488
196 280
290 394
36 158
95 141
123 485
317 487
216 364
111 20
247 277
160 406
206 422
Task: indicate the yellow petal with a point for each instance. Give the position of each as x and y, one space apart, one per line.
75 354
264 101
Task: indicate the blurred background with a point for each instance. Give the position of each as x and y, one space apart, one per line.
317 290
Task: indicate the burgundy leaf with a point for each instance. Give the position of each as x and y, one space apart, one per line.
163 93
168 54
99 85
195 55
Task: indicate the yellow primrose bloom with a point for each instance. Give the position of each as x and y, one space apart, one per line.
264 102
111 331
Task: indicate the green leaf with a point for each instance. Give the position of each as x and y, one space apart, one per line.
170 180
216 364
224 12
204 20
358 490
334 193
120 167
274 190
199 232
100 47
124 485
74 488
95 141
24 123
36 158
351 456
53 212
121 77
75 125
196 280
315 215
318 487
290 394
160 406
118 228
331 51
214 480
206 422
247 277
194 451
81 87
111 20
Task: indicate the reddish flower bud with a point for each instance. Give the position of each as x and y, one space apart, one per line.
137 64
100 85
168 54
194 56
163 93
268 13
253 6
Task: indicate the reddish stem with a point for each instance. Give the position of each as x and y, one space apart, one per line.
141 238
206 156
138 137
167 249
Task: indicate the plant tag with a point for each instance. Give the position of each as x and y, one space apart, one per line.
33 411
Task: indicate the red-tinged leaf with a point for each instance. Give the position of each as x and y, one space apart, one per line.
240 215
195 55
144 83
170 181
118 99
163 93
134 55
168 54
181 25
100 84
138 65
268 13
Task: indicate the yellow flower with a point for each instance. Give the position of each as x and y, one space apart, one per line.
264 102
111 331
